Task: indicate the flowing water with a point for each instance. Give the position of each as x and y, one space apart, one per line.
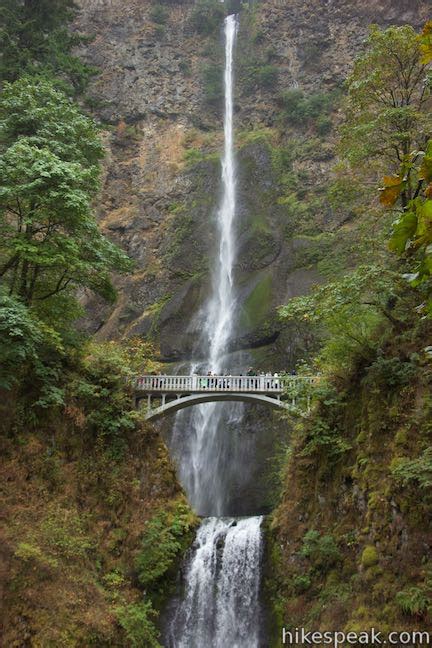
201 452
220 607
221 604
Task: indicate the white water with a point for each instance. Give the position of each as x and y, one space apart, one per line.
202 455
220 607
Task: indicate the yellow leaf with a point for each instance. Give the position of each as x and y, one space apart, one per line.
390 192
426 43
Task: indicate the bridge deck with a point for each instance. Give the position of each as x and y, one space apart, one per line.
196 384
178 392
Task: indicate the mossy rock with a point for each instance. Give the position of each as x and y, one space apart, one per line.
369 556
257 306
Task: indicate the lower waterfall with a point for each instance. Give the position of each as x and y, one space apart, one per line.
221 606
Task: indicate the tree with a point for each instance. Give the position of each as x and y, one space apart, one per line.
35 39
388 122
350 311
409 191
388 104
49 168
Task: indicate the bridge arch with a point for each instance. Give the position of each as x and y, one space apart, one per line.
197 399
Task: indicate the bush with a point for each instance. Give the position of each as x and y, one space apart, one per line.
322 551
207 17
267 76
299 109
301 583
137 622
213 84
416 472
159 14
392 372
323 125
163 541
413 602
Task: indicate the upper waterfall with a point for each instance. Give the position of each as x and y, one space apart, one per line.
203 451
221 305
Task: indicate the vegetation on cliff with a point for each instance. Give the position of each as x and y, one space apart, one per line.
86 484
350 536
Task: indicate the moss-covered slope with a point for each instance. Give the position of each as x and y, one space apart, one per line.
92 531
350 543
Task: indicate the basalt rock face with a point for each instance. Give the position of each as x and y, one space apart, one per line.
157 96
159 99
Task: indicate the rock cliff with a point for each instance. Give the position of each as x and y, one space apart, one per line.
158 96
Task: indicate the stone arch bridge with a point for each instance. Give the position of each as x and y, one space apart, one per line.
173 393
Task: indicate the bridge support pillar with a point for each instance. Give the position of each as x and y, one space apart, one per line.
163 399
149 402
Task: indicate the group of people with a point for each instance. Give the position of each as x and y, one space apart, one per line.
249 380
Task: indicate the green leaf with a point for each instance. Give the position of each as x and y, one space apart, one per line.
403 231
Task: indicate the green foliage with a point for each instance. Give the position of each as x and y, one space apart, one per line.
213 84
101 390
350 310
387 125
32 554
386 111
301 110
159 14
267 76
49 163
65 534
35 40
369 556
20 340
414 601
31 352
162 543
207 17
301 583
322 436
414 472
392 372
137 621
412 231
321 550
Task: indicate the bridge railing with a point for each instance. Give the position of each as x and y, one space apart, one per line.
195 383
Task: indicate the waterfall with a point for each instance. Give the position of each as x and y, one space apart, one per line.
220 606
203 454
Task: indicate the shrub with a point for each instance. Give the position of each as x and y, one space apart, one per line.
413 601
323 125
159 14
301 583
162 542
267 76
213 84
322 551
207 17
137 622
299 109
414 471
392 372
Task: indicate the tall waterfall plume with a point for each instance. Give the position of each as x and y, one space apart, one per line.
200 449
